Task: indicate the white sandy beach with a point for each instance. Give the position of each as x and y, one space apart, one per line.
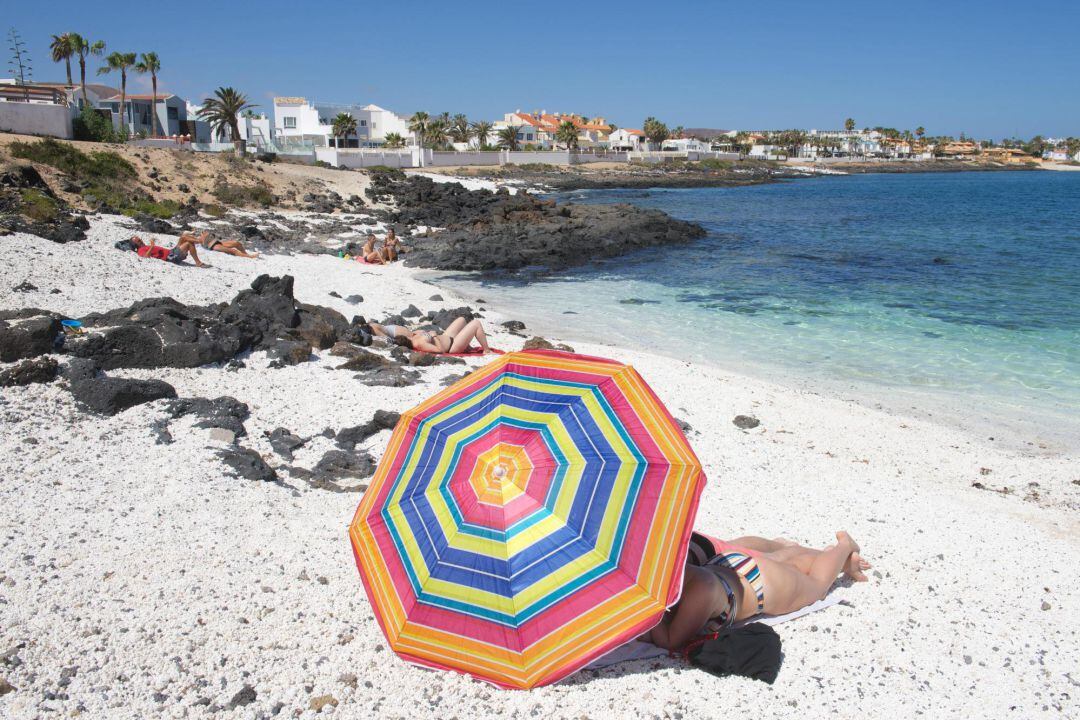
139 580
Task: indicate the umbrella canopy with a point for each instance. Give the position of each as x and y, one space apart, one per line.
528 519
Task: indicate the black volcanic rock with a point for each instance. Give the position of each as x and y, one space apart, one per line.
28 332
108 396
498 231
247 464
28 372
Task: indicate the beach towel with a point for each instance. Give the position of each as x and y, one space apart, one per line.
637 650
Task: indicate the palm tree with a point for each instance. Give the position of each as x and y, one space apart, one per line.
480 131
83 47
567 134
508 137
62 49
342 126
221 111
460 129
418 125
150 63
849 124
118 61
656 131
437 130
394 140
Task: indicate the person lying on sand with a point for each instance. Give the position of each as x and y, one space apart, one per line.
175 255
455 339
750 576
229 247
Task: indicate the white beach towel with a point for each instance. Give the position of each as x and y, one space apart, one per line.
637 650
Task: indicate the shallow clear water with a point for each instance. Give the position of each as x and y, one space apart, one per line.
953 283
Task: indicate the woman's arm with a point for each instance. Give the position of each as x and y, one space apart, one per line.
694 610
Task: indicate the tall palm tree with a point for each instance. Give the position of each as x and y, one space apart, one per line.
151 63
437 131
480 130
342 126
460 129
221 111
508 137
120 62
394 140
567 134
849 124
418 125
84 48
62 50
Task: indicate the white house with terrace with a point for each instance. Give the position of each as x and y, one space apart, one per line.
300 122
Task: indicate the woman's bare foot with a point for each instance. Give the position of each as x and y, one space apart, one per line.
855 565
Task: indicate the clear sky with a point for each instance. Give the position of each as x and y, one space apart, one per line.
990 69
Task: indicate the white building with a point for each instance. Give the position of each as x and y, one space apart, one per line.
686 145
626 139
299 122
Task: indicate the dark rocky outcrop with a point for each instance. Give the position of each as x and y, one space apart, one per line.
247 464
364 360
348 438
28 205
392 376
284 442
487 230
26 333
108 396
221 412
28 372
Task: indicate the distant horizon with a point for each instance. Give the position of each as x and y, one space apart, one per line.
949 71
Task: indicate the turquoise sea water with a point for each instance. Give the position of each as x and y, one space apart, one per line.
965 284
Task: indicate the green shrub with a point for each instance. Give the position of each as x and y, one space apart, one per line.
229 194
38 206
214 210
164 209
95 127
94 166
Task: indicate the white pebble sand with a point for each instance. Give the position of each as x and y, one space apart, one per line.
139 580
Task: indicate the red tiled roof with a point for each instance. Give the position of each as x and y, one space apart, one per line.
527 119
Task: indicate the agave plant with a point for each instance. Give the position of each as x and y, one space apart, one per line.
508 137
342 126
221 111
151 63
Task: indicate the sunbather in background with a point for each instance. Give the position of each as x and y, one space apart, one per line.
229 247
369 254
752 575
455 339
390 246
178 254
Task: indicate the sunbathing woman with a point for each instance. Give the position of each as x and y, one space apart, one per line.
390 246
455 339
752 575
369 254
229 247
178 254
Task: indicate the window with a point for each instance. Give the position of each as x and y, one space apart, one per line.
290 122
173 113
363 123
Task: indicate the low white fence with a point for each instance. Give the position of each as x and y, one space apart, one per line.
36 119
361 158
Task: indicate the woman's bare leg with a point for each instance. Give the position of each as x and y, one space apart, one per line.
787 589
473 329
455 326
753 542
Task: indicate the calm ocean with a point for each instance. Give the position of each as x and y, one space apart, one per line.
963 285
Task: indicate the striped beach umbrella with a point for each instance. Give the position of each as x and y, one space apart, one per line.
528 519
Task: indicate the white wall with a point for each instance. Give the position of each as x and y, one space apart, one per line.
353 158
35 119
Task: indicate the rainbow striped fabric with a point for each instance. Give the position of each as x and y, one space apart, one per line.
528 519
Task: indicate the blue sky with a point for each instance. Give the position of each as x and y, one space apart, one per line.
990 69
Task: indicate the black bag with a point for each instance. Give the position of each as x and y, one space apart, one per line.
752 651
124 245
